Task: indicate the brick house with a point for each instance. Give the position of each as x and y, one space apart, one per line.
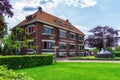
46 31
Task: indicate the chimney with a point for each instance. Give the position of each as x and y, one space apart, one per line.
39 8
67 20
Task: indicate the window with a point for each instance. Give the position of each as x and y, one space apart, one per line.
81 47
72 47
62 34
69 25
59 22
48 45
47 30
30 29
29 17
72 36
80 37
30 45
63 46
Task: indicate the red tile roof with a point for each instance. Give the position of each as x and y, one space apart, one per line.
48 18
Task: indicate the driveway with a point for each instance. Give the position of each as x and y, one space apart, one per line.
66 59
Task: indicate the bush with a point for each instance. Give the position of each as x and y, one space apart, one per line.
116 53
0 49
95 50
105 55
25 61
109 49
6 74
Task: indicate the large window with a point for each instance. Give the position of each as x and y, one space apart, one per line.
62 34
30 44
62 46
72 36
72 47
48 45
47 30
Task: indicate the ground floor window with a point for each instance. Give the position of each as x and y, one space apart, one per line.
62 46
48 45
81 47
72 47
30 44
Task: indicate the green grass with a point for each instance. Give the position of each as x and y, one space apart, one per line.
75 71
92 58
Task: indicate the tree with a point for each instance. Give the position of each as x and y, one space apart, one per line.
5 10
96 39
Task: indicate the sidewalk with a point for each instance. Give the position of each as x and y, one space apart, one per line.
66 59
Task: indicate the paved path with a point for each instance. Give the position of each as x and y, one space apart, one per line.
66 59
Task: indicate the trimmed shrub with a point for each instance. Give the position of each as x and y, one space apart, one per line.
116 53
105 55
6 74
25 61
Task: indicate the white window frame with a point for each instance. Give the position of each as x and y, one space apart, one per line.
60 34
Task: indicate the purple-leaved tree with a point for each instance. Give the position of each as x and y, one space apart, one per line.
5 10
96 39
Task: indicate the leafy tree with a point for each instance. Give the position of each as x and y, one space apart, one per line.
96 39
5 10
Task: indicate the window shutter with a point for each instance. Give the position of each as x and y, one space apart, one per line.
26 30
34 28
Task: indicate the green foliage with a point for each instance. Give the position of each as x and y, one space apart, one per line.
6 74
109 49
95 50
117 48
0 49
116 53
25 61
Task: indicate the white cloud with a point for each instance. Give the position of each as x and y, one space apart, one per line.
81 3
49 6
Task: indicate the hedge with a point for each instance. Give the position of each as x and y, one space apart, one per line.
116 53
105 55
25 61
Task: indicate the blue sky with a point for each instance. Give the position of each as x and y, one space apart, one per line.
84 14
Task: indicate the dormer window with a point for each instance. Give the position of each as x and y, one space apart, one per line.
29 17
59 22
69 25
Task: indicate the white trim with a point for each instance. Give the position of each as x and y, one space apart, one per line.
62 43
30 25
72 33
81 44
48 26
48 40
30 40
62 30
72 44
48 52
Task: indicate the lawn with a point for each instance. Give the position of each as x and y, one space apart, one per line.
75 71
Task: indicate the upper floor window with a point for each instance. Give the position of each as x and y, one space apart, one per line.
62 46
72 36
69 25
30 29
29 17
59 22
80 37
47 30
62 33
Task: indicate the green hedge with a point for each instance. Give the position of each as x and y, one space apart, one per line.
116 53
25 61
